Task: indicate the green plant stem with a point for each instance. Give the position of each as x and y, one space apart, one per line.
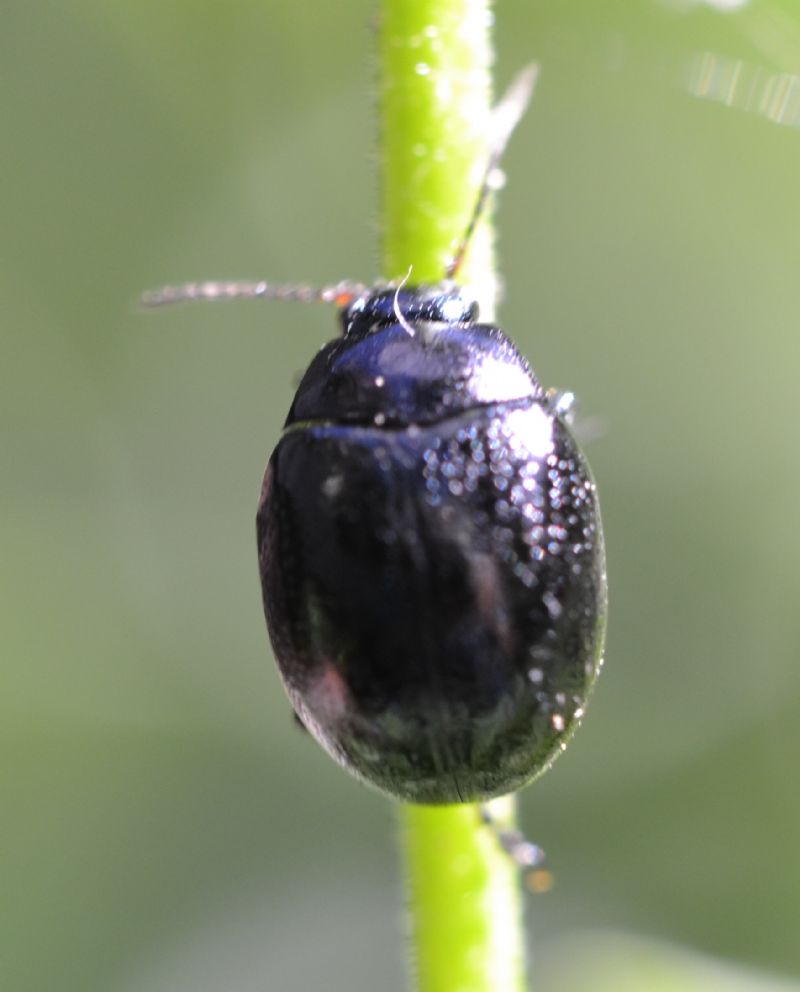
435 107
435 103
464 901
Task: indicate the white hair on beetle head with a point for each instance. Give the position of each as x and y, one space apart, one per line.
401 320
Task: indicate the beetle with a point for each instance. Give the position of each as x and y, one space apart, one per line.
429 540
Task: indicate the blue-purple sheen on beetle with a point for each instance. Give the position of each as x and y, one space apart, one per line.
429 540
431 554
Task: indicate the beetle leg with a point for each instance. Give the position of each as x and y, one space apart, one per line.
527 856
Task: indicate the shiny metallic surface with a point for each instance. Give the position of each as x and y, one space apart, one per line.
431 556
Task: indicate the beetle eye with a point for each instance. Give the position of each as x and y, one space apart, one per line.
457 310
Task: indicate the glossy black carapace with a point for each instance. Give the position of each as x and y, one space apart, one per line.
429 540
431 554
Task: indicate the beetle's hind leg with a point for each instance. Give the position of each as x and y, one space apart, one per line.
527 856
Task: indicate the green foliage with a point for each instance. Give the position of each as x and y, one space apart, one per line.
164 828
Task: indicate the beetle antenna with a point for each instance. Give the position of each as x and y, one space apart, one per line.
527 856
504 118
341 294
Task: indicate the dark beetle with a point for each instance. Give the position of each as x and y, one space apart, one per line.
431 554
429 541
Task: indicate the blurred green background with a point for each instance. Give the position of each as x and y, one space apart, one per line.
163 827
